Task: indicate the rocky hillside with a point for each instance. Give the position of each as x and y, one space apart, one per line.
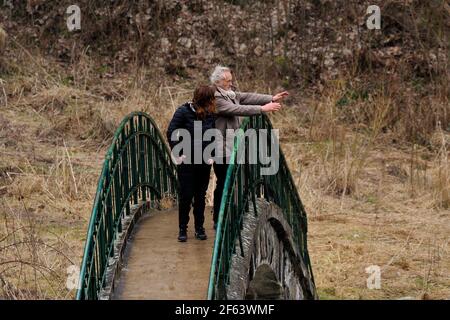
308 40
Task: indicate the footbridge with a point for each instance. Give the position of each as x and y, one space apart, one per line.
259 250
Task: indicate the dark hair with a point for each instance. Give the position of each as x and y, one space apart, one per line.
204 101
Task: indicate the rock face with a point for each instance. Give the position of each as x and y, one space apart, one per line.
299 40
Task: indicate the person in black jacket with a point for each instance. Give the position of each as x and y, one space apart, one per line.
193 177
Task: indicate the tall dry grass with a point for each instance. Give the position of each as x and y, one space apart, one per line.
33 258
373 195
55 129
440 173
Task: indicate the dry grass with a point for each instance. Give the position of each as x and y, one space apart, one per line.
440 175
55 128
369 200
385 224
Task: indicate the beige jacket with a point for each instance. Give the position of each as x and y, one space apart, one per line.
229 112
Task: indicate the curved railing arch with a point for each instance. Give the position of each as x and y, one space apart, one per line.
244 183
137 168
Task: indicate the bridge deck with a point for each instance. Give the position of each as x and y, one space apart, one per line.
157 266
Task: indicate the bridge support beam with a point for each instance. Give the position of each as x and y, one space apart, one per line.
267 243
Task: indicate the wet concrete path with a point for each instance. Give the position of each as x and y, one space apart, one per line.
157 266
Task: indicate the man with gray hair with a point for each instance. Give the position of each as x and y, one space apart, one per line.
229 106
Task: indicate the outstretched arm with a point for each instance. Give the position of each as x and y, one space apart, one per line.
254 98
228 108
225 107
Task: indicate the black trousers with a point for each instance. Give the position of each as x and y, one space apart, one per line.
220 170
193 179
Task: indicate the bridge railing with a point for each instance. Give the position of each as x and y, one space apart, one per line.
244 183
137 168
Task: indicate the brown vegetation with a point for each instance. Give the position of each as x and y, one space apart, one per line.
366 130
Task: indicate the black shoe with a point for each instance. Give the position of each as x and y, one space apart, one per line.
182 236
200 234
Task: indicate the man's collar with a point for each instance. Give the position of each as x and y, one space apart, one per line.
225 94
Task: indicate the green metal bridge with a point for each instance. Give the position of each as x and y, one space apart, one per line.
131 241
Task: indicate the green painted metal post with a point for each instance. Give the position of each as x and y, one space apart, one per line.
278 188
128 175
